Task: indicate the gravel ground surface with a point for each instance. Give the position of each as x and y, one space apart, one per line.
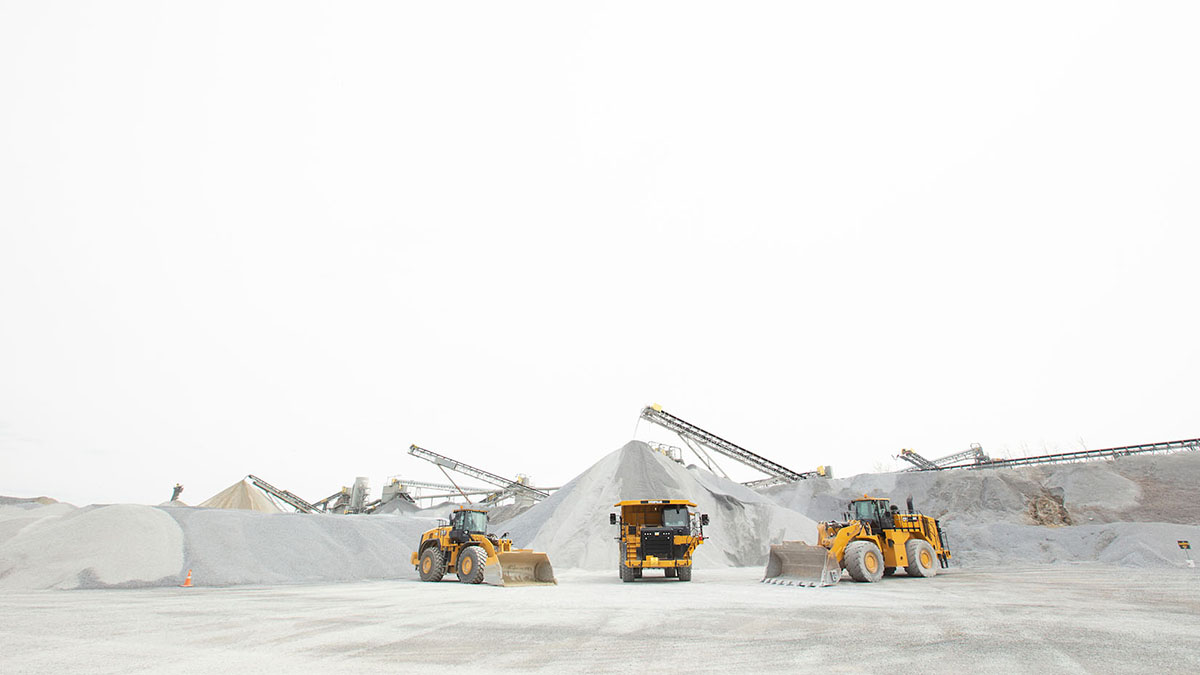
1062 619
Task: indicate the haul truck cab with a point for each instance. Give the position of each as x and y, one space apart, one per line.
657 534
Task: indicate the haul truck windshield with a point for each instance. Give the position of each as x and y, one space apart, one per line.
676 516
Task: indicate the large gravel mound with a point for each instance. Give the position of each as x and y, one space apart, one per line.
124 545
572 525
96 546
1128 511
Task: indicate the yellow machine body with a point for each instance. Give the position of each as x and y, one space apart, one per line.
657 534
465 548
874 542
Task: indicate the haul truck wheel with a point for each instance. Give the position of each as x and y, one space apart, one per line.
921 560
684 572
627 573
432 564
864 562
470 565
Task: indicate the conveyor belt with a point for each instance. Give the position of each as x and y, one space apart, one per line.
283 495
1081 455
485 476
715 443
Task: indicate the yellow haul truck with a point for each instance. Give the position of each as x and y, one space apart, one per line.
874 541
657 534
464 547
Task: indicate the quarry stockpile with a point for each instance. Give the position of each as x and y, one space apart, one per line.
127 545
241 495
572 524
60 546
1127 511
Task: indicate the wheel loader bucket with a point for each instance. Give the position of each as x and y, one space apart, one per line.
795 563
519 568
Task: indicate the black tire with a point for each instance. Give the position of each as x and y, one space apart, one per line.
922 561
627 573
470 565
671 572
863 561
637 572
684 572
889 571
432 565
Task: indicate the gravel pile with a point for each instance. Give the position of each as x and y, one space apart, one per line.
125 545
572 525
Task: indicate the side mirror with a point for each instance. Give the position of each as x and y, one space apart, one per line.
895 509
704 519
504 536
612 519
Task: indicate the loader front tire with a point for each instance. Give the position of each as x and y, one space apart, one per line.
864 561
470 565
432 565
627 574
684 572
922 562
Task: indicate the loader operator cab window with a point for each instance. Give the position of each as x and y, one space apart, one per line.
675 516
469 521
869 510
875 512
864 510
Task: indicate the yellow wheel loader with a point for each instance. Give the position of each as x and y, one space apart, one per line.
464 548
873 542
657 534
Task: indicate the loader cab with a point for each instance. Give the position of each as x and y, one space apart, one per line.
877 512
465 522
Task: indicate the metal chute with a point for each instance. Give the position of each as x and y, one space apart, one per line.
795 563
519 567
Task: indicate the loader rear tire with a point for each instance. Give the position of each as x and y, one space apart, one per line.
432 565
671 572
470 565
684 572
864 561
627 574
922 561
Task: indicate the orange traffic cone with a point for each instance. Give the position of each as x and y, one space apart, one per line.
187 583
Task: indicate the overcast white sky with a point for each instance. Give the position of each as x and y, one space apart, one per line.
292 238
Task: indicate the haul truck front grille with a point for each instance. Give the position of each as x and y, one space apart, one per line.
658 545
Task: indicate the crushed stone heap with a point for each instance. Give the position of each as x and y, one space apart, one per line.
130 545
572 525
241 495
